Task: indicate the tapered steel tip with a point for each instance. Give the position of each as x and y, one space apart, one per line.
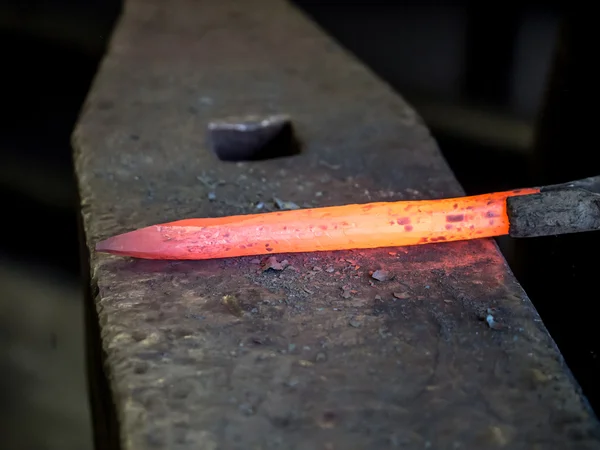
143 243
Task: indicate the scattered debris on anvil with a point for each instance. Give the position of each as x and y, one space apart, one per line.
347 291
271 263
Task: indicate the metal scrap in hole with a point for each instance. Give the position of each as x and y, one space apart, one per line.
253 137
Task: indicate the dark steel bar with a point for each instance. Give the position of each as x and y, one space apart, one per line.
564 208
554 212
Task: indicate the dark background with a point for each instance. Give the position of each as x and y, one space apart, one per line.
509 93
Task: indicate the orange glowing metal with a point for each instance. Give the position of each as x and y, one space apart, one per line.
372 225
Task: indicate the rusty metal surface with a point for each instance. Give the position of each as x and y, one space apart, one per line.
554 212
572 207
446 352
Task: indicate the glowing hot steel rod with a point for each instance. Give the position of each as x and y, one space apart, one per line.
558 209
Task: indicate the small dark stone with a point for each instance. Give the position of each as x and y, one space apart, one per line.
382 275
346 292
272 263
284 205
246 409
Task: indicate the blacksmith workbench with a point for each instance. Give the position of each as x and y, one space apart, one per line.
220 354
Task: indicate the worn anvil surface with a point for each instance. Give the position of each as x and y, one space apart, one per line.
223 355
